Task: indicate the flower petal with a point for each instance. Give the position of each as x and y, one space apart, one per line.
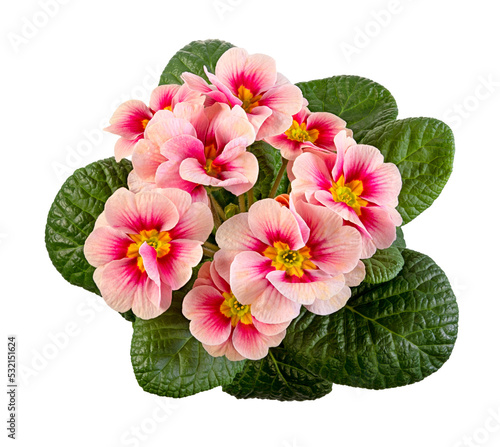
270 222
235 234
253 345
105 244
313 285
146 159
208 324
332 305
128 120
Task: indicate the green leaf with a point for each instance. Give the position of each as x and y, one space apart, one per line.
423 150
269 160
400 239
192 58
277 377
385 264
388 335
362 103
169 361
73 214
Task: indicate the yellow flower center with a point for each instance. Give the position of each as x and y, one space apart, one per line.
293 262
349 193
168 107
158 240
299 132
144 123
233 309
211 154
249 100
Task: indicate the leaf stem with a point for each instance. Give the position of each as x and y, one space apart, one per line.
208 253
277 182
250 198
241 203
210 246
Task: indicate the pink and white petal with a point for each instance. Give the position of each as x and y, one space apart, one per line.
230 98
285 98
190 170
136 184
175 272
162 96
195 82
270 222
196 223
377 221
105 244
256 72
219 282
147 305
248 276
270 329
188 96
335 248
253 345
122 213
395 216
328 126
311 174
368 247
199 194
343 210
181 199
208 324
226 349
356 276
332 305
156 211
258 117
148 255
127 121
235 234
146 159
235 126
360 161
276 124
162 131
184 146
290 149
120 282
101 221
186 250
124 148
314 284
222 262
167 176
383 186
342 143
272 307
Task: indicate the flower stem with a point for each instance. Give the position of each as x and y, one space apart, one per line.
208 253
210 246
277 182
250 198
241 203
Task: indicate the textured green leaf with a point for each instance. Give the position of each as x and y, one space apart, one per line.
388 335
362 103
277 377
400 239
423 150
384 265
192 58
73 214
169 361
269 160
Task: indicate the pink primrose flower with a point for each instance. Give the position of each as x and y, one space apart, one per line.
144 246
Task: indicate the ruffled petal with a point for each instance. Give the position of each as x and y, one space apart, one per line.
253 345
208 324
270 222
332 305
105 244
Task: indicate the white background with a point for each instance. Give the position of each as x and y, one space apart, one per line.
63 81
